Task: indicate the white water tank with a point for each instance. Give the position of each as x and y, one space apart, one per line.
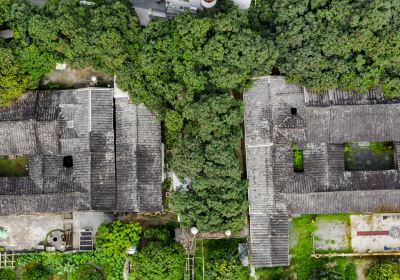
207 4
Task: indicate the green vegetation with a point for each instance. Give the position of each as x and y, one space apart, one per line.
157 233
327 44
341 217
106 261
102 36
17 167
298 158
115 238
382 271
7 274
74 265
374 156
191 70
160 258
221 260
326 274
36 271
302 264
381 147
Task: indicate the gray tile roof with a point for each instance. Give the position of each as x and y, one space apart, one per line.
320 126
138 158
48 125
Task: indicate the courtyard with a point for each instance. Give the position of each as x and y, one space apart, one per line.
375 233
28 232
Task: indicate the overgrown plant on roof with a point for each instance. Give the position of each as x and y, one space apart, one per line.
298 158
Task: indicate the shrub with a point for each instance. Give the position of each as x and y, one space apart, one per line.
36 271
90 272
382 272
326 274
157 234
159 261
351 272
116 237
7 274
346 148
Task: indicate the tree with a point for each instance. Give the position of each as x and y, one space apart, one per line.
159 261
189 70
157 233
326 44
22 64
115 238
13 78
4 11
382 272
102 36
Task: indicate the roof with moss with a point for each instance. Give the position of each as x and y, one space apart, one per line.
280 114
47 126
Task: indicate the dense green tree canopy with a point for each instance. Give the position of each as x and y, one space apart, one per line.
326 44
101 36
13 77
188 56
189 70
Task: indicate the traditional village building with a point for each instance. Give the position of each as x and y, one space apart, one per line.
87 151
278 115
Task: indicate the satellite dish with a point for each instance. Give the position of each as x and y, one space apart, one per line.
228 232
194 230
93 78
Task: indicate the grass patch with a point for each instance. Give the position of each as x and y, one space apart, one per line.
17 167
341 217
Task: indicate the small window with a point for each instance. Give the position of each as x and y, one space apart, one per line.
293 111
68 162
298 157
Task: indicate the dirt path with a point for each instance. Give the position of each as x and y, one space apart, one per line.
362 264
75 78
